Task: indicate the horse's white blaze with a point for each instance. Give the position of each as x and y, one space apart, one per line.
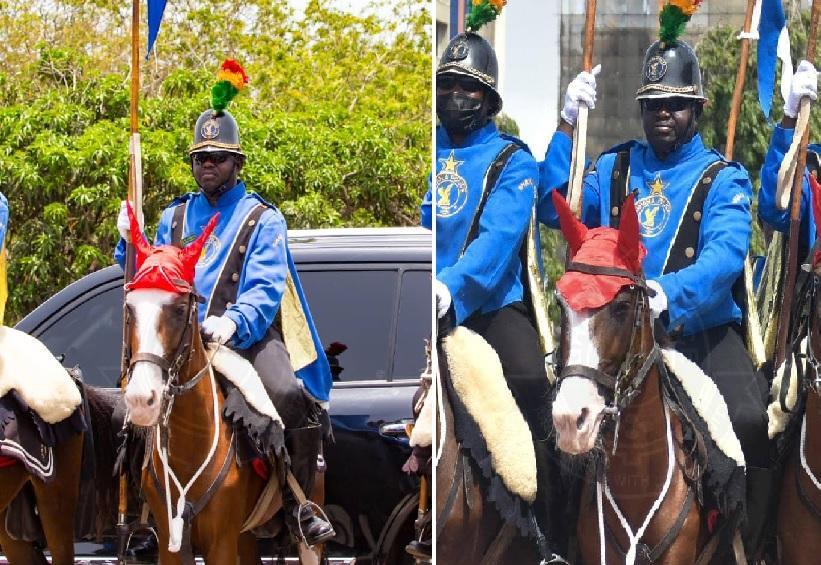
146 381
578 405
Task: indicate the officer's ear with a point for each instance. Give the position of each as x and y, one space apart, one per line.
239 162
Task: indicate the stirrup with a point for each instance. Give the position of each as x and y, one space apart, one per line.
318 511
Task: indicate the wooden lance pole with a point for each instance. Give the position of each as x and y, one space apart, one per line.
795 213
135 197
580 131
740 78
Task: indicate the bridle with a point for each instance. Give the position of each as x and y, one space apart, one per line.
635 367
172 366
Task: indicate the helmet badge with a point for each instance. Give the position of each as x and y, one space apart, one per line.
656 69
210 129
459 50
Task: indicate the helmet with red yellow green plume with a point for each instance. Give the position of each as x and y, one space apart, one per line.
469 54
671 67
216 129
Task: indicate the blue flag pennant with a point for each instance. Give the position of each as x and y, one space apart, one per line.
156 8
772 25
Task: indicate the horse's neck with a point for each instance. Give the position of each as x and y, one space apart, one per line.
812 446
637 470
192 416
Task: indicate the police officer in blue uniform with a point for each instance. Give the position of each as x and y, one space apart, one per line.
246 275
804 83
694 213
482 202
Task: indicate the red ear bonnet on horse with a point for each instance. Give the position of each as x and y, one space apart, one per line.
166 267
816 212
603 247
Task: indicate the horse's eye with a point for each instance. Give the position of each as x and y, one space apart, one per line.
621 308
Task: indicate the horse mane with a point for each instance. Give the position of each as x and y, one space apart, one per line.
103 408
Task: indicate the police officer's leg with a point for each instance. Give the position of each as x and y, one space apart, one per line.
303 434
511 333
721 353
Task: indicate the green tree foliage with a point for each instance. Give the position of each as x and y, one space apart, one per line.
335 123
719 53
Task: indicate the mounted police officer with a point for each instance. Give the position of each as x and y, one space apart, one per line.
804 83
484 194
253 300
694 213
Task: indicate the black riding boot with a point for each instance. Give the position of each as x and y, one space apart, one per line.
302 520
760 484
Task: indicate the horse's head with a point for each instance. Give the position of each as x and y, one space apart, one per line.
161 309
605 324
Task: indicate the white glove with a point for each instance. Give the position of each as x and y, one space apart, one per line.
218 328
123 224
443 299
658 303
581 90
804 83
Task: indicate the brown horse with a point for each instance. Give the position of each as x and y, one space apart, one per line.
468 527
799 511
192 478
57 500
56 505
638 497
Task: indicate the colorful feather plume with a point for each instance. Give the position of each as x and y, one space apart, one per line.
483 12
231 78
673 18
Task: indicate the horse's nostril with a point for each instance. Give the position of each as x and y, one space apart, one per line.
151 398
582 417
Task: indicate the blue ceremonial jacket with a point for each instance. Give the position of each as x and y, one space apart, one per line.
4 218
488 274
767 211
699 296
262 281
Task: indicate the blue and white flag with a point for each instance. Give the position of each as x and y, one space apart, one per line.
156 8
773 43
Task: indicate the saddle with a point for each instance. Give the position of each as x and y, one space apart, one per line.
491 432
39 380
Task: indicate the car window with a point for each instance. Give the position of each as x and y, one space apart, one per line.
91 336
354 308
414 324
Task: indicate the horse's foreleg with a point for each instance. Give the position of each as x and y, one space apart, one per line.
12 480
19 551
57 500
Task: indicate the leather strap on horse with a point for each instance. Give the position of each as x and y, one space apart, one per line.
456 482
638 280
197 506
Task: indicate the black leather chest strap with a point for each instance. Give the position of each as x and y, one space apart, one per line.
493 174
619 186
685 246
177 224
227 286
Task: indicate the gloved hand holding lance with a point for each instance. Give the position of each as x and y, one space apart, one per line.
795 211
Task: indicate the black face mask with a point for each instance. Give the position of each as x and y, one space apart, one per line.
460 114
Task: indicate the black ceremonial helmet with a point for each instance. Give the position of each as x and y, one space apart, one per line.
670 70
468 54
216 131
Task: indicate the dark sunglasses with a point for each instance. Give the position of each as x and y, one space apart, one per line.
216 157
449 82
669 104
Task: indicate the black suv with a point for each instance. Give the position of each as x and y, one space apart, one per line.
369 290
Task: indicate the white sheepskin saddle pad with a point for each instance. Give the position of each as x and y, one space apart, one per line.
28 367
477 377
422 434
708 402
242 374
778 418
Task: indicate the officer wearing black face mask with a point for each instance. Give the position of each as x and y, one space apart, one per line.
482 201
